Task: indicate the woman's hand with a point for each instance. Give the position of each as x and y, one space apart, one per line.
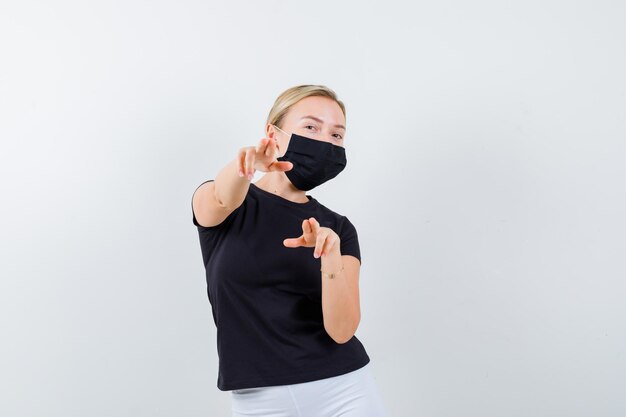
324 239
262 158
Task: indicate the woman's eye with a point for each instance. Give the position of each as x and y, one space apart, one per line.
310 126
337 136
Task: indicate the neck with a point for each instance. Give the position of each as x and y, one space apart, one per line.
277 183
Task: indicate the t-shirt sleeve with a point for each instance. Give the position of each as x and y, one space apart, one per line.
210 236
193 215
349 239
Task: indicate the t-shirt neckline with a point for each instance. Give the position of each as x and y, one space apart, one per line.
282 199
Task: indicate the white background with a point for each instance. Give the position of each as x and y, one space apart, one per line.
486 145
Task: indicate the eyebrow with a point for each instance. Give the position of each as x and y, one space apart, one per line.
320 121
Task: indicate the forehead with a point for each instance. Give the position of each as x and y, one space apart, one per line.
323 108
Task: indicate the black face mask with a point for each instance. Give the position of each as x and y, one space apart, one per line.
314 161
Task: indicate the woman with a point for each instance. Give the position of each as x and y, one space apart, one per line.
282 270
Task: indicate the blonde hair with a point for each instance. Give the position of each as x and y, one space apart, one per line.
293 95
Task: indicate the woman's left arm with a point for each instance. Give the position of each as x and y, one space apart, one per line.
340 294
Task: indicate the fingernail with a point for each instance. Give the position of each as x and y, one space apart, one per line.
241 173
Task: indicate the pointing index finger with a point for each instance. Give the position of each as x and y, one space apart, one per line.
315 224
262 145
306 226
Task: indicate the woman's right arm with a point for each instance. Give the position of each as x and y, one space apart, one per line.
213 201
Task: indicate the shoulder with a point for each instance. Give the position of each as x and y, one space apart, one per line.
328 212
341 222
225 218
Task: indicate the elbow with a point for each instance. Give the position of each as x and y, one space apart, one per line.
342 335
342 340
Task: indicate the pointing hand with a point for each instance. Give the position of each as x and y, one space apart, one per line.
324 239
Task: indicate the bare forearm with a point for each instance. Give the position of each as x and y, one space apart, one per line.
230 188
341 315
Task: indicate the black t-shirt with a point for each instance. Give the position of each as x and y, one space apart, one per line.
266 298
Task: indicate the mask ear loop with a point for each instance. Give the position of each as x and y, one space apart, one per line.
278 153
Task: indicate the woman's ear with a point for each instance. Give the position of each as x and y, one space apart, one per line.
270 132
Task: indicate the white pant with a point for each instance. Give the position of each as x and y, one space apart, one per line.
354 394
